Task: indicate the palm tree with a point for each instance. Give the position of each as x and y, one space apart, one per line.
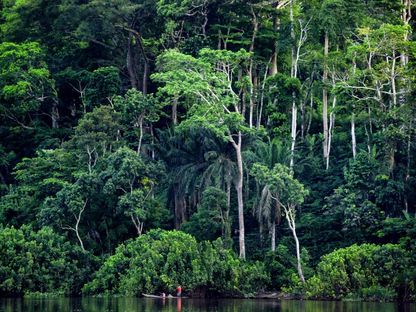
221 172
268 210
184 156
198 160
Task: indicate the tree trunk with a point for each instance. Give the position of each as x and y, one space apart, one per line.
276 29
239 189
393 80
406 17
325 101
290 217
331 127
331 130
77 230
293 75
78 220
298 257
175 111
139 148
353 138
293 37
260 110
137 224
140 47
293 133
153 142
251 69
273 234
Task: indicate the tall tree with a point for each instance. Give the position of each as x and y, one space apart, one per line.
289 193
211 82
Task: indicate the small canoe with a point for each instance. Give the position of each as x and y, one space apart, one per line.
161 297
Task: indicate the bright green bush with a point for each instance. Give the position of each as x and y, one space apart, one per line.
160 260
367 271
227 274
157 261
280 264
42 262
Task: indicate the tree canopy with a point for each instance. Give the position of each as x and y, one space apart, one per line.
280 131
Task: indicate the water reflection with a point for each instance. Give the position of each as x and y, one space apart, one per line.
188 305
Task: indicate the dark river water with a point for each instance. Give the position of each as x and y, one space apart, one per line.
191 305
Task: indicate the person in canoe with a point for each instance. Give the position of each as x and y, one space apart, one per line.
179 291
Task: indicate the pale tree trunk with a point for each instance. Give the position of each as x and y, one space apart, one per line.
353 137
325 101
309 94
368 139
392 148
153 142
406 18
77 222
251 74
275 219
276 29
260 111
137 224
331 125
273 234
239 189
175 111
293 133
92 158
293 75
404 58
290 217
277 5
393 80
140 124
331 129
296 49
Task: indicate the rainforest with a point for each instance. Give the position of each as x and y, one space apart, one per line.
234 147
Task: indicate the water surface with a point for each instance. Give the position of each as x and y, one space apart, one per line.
191 305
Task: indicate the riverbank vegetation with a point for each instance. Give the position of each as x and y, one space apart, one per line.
228 146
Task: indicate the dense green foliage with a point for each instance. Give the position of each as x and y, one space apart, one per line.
41 261
160 260
367 271
286 128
